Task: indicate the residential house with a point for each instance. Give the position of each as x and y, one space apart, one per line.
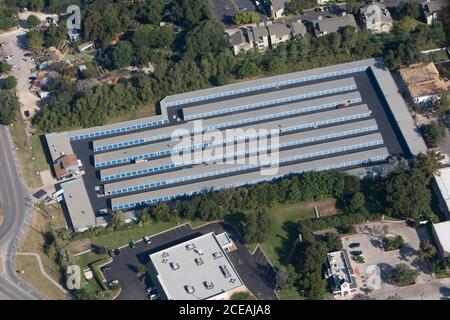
430 9
298 29
423 82
240 42
324 26
259 37
278 33
376 18
277 8
67 166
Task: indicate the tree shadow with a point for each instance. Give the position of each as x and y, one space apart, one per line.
385 272
235 219
132 268
406 252
376 243
445 291
286 248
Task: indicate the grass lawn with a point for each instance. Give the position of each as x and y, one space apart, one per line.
30 153
35 278
280 242
284 232
34 242
291 294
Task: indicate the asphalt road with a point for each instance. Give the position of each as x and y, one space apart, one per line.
16 218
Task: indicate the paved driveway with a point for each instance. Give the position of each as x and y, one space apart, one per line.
255 271
16 45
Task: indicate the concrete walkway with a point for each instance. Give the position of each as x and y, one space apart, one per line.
44 273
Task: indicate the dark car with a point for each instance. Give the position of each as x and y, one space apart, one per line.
111 253
132 245
117 252
354 245
355 253
106 268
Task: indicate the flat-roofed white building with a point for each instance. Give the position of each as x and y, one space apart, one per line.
442 188
441 233
197 269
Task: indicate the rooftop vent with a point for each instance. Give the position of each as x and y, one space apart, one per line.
190 246
198 261
174 266
208 285
189 289
164 255
199 251
225 271
217 255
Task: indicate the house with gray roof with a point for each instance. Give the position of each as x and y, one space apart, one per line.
376 18
298 29
430 9
329 25
240 43
278 33
277 8
259 37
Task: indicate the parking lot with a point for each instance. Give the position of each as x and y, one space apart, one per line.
225 10
369 238
255 270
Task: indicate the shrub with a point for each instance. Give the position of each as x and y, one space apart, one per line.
390 244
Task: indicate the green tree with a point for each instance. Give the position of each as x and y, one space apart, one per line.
117 220
356 203
286 276
316 286
242 296
9 83
334 242
35 40
33 21
120 55
394 243
246 17
247 70
433 133
407 195
9 105
429 163
403 275
161 212
5 67
145 215
141 270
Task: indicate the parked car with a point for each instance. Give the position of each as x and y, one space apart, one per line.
111 253
113 282
132 245
147 240
355 253
354 245
154 296
117 252
106 268
7 58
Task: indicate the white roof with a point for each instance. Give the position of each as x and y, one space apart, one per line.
443 234
192 265
443 183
